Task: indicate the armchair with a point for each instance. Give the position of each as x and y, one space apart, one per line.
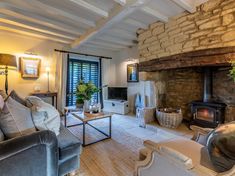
179 157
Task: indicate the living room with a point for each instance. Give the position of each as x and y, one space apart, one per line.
117 87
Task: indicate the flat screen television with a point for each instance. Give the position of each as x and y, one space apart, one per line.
117 93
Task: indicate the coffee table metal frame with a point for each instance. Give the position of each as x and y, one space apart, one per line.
86 122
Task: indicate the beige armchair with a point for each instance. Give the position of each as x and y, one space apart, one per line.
179 157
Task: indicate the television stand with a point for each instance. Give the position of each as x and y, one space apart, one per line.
116 106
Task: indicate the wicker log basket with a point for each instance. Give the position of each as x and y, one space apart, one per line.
169 117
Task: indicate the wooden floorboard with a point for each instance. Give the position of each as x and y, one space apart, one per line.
107 158
117 156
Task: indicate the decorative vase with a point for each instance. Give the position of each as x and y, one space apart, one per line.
79 105
86 105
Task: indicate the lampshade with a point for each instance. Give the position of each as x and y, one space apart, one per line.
48 69
8 60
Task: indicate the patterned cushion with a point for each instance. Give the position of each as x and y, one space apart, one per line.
17 98
15 119
221 147
45 116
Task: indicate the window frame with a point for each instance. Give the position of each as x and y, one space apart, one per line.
83 61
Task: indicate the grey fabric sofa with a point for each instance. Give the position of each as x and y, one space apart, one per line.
41 153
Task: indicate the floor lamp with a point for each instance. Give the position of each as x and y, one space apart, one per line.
48 78
7 61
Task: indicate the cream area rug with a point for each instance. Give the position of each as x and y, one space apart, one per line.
125 130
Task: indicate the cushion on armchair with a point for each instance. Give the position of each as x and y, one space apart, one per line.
15 119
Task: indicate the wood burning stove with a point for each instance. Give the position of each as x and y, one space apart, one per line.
207 113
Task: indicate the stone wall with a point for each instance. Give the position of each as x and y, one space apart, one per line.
212 25
224 91
177 88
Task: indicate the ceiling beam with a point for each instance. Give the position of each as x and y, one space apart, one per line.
21 30
121 2
47 8
101 47
91 8
190 7
14 11
116 40
122 33
117 14
105 44
34 26
135 23
155 13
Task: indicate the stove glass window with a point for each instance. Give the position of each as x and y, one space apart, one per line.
205 114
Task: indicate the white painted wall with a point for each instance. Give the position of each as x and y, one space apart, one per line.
114 71
17 45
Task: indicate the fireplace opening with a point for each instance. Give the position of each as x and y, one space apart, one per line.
207 113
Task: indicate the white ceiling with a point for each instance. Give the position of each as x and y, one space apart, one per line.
107 24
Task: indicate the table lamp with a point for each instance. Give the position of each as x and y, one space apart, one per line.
7 61
48 78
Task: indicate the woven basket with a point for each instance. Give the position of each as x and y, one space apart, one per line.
169 119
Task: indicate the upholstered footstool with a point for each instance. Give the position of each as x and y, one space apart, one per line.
145 115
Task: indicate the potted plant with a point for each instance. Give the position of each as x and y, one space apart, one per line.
84 91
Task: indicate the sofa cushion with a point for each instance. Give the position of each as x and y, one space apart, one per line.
221 147
45 116
15 119
3 94
17 98
1 103
69 145
1 136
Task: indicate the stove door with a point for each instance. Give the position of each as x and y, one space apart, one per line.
206 114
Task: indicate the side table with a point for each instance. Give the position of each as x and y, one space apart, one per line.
52 95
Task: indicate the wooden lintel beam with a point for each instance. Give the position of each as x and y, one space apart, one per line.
200 58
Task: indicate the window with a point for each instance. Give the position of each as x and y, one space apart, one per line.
81 70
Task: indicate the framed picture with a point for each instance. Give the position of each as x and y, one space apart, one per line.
132 73
29 67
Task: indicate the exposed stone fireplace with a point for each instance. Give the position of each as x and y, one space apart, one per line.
174 54
198 83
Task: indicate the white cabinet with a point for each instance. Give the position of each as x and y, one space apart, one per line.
116 106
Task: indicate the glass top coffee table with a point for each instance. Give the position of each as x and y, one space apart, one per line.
86 118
